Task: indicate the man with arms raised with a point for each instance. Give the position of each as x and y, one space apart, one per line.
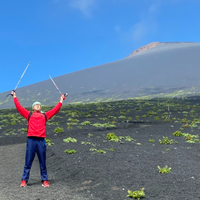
36 137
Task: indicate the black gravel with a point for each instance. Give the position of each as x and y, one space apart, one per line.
108 176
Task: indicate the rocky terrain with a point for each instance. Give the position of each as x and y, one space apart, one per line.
112 147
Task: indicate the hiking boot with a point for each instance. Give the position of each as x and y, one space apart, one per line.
23 183
45 183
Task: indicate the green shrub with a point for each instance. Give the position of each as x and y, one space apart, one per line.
90 135
86 123
73 120
193 125
165 169
122 117
106 125
69 126
185 112
112 149
112 117
190 138
112 137
69 139
128 138
151 140
157 118
98 125
196 121
98 150
13 123
74 114
87 115
23 130
151 113
136 194
49 142
93 149
178 134
137 117
192 141
85 142
58 130
70 151
55 123
184 120
165 141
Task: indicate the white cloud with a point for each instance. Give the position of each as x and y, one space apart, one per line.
85 6
139 31
144 27
147 24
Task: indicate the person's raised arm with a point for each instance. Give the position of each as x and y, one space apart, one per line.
20 109
56 109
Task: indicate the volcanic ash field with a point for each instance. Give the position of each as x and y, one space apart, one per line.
101 150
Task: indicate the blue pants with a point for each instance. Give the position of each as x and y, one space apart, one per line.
35 145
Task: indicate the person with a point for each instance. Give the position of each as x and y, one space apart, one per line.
36 135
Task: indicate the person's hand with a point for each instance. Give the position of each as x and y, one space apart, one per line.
13 94
62 98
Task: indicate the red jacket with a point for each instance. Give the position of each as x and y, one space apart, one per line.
37 120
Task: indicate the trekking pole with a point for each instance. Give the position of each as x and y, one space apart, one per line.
65 95
19 79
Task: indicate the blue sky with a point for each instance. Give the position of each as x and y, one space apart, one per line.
63 36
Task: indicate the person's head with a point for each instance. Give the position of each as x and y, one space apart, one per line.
36 106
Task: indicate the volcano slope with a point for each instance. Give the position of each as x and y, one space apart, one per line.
106 169
167 69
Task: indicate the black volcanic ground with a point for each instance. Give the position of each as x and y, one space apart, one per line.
102 169
170 68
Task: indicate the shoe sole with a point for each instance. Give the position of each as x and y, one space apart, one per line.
44 186
23 186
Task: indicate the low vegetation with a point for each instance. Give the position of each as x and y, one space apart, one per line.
164 170
72 151
165 141
136 194
69 139
58 130
49 142
105 122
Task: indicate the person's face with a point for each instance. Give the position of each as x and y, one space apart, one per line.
37 107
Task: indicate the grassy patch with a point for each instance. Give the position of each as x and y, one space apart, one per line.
49 142
58 130
72 151
165 169
136 194
69 139
165 141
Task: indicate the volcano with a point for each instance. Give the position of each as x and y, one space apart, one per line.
159 69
